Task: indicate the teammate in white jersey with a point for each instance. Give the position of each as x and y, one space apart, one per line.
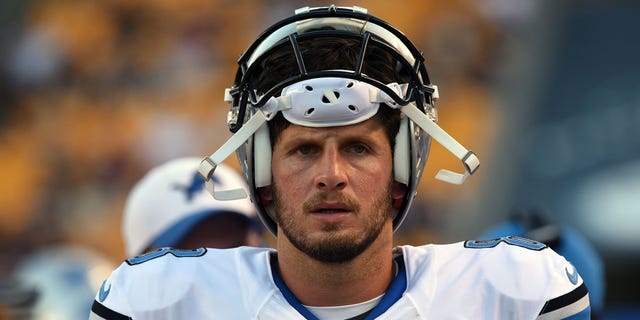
332 114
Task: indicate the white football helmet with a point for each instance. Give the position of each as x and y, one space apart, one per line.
65 279
333 96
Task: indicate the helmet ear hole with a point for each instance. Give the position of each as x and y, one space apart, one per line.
262 157
402 153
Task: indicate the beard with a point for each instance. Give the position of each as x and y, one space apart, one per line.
336 245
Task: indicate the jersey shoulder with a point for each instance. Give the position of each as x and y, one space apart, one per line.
513 268
523 262
172 279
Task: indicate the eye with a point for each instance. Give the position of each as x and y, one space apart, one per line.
305 149
358 148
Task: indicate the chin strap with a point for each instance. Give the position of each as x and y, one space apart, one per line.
209 164
468 158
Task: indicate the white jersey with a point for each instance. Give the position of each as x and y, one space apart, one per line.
506 278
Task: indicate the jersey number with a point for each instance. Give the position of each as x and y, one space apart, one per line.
179 253
511 240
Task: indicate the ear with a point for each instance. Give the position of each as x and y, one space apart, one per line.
265 194
398 192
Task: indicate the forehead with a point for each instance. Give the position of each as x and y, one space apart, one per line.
370 129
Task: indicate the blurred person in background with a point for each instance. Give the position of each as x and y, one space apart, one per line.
55 282
566 241
16 299
170 207
71 70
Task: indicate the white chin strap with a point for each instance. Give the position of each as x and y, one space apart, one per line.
325 102
208 165
468 158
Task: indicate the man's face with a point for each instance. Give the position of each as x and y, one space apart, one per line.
333 188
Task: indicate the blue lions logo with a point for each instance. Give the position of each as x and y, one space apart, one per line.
196 185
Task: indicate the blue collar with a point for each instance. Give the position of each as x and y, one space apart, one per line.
393 293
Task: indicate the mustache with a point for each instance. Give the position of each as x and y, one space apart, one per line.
323 197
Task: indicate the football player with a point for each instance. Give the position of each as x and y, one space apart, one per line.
332 112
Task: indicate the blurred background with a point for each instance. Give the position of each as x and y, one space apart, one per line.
547 93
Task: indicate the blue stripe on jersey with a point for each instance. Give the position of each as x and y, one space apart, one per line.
392 295
288 295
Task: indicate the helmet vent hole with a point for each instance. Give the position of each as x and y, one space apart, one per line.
309 111
308 87
336 96
350 84
353 108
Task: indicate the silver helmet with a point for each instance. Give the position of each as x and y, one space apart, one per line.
332 95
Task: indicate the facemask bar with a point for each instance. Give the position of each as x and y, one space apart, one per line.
349 22
414 70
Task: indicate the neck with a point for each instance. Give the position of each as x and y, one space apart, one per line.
317 283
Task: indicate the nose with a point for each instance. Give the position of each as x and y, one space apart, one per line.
331 174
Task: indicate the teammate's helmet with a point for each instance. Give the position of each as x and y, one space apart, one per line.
333 95
171 199
64 278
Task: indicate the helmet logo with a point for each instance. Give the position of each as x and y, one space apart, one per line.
196 185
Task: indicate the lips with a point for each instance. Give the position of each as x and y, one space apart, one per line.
326 208
330 205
